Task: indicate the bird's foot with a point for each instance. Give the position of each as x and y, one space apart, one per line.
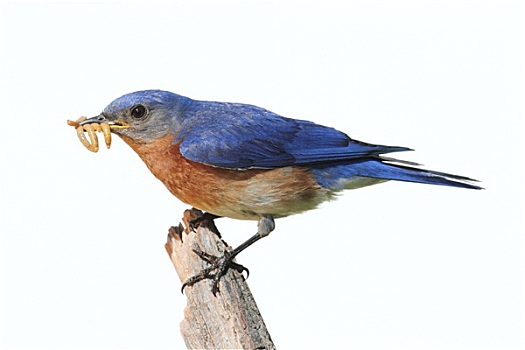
218 264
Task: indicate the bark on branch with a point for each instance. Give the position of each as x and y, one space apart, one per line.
231 320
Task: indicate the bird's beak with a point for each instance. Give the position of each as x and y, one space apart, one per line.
102 119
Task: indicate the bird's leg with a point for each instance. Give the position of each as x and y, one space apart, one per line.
206 220
221 264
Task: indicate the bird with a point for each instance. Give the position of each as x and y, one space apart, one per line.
245 162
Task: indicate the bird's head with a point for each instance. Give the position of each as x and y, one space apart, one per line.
143 116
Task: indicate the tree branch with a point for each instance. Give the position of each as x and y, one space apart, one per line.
230 320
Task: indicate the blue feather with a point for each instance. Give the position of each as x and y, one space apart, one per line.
337 176
240 136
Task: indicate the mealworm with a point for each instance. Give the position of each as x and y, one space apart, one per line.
83 139
92 137
76 123
106 130
91 129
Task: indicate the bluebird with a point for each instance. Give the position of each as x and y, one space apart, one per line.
244 162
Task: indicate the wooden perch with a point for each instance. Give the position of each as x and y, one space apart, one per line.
229 320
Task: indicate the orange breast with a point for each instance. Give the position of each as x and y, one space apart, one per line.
240 194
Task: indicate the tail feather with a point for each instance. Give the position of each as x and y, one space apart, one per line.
347 175
389 171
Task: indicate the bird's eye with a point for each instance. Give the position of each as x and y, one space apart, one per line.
138 111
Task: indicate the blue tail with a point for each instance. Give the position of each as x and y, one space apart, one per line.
382 169
406 173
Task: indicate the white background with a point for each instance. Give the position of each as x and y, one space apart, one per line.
393 266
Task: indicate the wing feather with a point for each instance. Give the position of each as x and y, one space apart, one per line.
240 136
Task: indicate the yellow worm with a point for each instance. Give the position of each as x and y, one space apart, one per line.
106 130
91 129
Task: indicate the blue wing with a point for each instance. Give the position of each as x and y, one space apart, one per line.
239 136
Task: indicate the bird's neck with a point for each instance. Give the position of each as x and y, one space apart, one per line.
154 154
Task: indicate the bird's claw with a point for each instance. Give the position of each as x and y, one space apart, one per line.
218 264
